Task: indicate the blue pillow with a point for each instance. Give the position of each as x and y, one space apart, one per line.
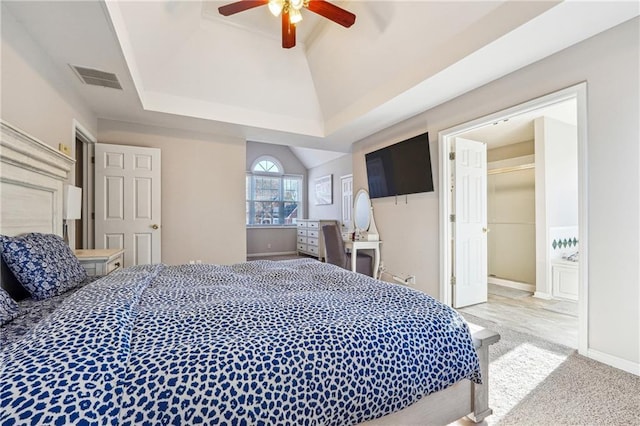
43 263
10 283
8 307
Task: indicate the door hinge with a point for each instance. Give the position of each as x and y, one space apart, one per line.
452 217
93 160
453 280
452 156
93 215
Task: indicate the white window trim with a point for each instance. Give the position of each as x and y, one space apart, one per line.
251 172
267 158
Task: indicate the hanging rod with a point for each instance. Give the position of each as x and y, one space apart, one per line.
510 169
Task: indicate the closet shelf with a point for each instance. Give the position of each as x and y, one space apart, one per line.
511 223
510 169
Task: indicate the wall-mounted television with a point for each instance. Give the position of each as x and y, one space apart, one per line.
401 168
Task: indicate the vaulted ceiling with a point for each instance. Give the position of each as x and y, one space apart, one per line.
183 65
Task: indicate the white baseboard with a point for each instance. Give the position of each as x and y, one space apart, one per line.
542 295
614 361
273 253
511 284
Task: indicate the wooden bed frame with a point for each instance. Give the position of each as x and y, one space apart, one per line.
32 177
464 399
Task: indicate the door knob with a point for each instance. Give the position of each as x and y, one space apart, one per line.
485 230
154 226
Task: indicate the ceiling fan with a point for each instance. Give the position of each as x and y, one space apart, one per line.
290 10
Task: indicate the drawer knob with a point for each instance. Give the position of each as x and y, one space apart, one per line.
117 264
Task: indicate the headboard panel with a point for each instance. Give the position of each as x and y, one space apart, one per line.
32 177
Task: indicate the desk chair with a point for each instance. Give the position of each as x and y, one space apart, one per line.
336 254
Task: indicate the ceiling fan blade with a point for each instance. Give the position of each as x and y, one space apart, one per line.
332 12
240 6
288 31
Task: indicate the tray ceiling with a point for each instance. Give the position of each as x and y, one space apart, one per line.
182 65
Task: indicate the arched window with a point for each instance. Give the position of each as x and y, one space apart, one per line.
267 165
273 197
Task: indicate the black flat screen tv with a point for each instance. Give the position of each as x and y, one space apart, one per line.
401 168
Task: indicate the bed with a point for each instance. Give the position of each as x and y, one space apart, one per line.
293 342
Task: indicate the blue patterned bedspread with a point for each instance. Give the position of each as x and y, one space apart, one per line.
293 342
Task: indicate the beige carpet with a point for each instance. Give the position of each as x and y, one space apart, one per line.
536 382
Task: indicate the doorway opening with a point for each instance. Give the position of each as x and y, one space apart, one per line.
516 185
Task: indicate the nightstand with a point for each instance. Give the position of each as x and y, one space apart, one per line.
99 262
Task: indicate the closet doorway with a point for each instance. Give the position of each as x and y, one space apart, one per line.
535 215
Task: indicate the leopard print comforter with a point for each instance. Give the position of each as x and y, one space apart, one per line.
256 343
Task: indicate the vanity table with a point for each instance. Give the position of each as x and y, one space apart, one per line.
356 245
366 234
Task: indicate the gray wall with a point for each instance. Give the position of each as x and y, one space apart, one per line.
609 63
274 239
35 97
339 167
203 186
292 165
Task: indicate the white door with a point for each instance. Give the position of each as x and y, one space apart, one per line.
346 183
470 223
127 198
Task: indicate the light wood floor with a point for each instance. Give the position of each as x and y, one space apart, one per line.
553 320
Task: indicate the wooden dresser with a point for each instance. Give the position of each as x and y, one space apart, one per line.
310 239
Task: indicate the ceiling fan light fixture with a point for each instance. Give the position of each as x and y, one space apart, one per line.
289 11
294 16
275 7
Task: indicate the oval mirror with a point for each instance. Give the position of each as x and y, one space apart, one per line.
362 210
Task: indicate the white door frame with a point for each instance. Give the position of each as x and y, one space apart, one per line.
445 138
80 132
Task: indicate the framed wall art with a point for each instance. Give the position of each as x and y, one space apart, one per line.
324 190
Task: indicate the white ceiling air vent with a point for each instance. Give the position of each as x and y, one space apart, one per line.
97 77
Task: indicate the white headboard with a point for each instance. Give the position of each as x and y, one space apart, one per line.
32 176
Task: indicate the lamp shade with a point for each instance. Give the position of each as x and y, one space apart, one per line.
72 208
275 7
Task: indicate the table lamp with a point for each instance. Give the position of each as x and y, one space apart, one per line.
72 208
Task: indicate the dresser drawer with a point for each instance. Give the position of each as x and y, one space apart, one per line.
114 265
309 237
99 262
